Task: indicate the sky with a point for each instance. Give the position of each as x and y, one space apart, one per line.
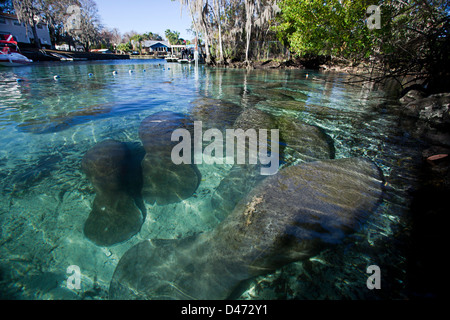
145 15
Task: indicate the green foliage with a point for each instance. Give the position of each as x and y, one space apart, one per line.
328 27
174 37
413 39
124 47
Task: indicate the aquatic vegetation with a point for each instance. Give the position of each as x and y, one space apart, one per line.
294 214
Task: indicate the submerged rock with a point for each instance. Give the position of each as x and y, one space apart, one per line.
429 118
287 217
114 217
163 181
434 109
411 96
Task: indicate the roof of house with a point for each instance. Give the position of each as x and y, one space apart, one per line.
151 43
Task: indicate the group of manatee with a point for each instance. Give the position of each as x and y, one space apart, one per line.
312 202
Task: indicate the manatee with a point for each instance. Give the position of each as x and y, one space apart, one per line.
297 95
115 217
272 94
300 106
299 141
242 177
287 217
214 113
163 181
303 141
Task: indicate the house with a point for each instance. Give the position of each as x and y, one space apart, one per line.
155 47
66 47
9 24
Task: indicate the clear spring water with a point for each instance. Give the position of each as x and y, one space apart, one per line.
47 125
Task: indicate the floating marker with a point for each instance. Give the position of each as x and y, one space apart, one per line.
20 80
114 72
130 71
144 70
56 77
90 74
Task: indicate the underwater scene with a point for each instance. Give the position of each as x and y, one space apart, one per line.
93 207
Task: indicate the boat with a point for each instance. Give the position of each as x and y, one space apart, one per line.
61 57
171 59
10 54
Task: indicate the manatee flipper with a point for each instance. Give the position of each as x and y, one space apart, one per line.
285 218
114 217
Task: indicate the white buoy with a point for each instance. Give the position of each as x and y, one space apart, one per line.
130 71
90 74
56 77
114 72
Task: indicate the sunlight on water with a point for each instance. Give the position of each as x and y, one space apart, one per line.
47 125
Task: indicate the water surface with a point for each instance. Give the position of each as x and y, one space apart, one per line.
47 125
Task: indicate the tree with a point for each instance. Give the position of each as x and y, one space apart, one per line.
6 6
90 24
136 42
413 41
173 37
29 12
224 24
124 47
333 27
